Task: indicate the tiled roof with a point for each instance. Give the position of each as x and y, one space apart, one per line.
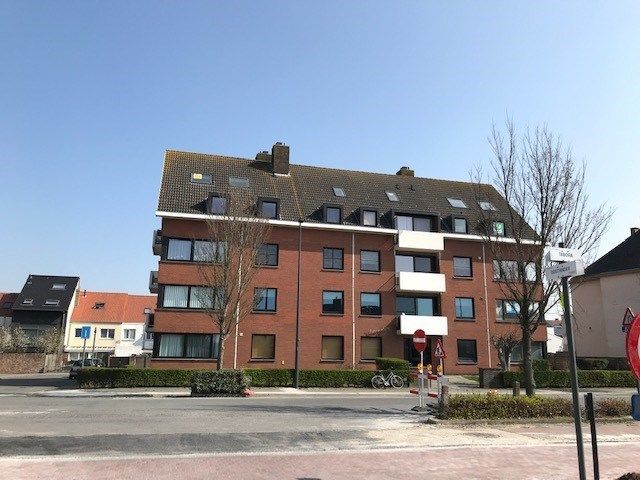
6 302
625 256
303 192
38 288
117 308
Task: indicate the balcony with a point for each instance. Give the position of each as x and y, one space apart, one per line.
432 325
153 281
415 241
157 242
420 282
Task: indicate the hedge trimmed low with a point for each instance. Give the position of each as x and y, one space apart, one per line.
310 378
395 364
219 383
586 378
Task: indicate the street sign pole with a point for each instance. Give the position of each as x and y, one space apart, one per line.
421 391
573 371
93 347
588 400
84 349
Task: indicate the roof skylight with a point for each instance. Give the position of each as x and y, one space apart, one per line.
27 301
59 286
51 302
202 178
485 205
241 182
457 202
339 192
392 196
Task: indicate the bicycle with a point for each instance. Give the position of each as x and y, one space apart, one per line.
390 380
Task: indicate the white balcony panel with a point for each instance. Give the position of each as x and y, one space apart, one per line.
431 325
420 282
409 240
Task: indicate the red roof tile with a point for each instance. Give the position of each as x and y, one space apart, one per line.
118 307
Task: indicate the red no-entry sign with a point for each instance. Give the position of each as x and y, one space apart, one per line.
633 346
419 340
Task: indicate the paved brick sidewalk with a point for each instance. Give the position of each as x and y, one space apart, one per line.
517 462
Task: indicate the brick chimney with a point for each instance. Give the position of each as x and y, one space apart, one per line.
634 230
405 172
280 158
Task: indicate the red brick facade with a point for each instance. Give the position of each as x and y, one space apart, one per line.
314 279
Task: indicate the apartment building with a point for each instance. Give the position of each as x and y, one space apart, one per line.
379 256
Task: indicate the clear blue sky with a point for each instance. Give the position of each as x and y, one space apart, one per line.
92 93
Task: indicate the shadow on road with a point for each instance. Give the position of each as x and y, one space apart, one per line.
39 382
304 410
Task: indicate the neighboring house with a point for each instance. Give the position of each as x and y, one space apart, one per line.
380 256
6 308
555 326
45 302
117 321
601 296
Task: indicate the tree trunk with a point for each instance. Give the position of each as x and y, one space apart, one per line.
527 363
221 339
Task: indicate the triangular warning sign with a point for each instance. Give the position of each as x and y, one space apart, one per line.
438 352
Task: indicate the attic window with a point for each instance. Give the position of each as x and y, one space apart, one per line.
392 196
7 305
99 305
218 205
27 301
457 203
59 286
485 205
240 182
52 303
202 178
339 192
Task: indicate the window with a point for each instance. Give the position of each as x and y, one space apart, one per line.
456 202
332 302
467 352
332 348
172 345
148 335
99 305
416 306
460 225
486 205
369 218
464 308
202 178
218 205
497 229
59 286
129 333
201 297
333 214
339 192
509 310
537 351
268 208
408 222
179 249
508 270
462 267
411 263
78 333
27 301
369 261
332 258
263 347
6 304
265 299
107 333
51 302
392 196
175 296
206 251
370 304
370 348
267 255
240 182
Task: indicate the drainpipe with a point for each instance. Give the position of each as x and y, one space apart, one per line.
486 303
353 300
296 373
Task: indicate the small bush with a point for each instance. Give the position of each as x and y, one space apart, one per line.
541 365
396 364
612 407
586 378
505 406
219 383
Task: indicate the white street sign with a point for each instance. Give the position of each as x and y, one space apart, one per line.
568 269
557 254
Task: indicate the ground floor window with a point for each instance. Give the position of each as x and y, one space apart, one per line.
537 352
467 352
263 347
371 348
183 345
332 348
107 333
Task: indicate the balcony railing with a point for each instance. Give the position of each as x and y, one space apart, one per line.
415 241
153 281
420 282
157 242
432 325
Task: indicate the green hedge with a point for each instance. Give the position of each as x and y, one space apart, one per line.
310 378
273 377
134 377
603 363
586 378
396 364
219 383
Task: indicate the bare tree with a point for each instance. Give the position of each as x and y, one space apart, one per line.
504 343
227 267
545 187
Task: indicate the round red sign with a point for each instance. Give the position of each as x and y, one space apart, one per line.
633 347
419 340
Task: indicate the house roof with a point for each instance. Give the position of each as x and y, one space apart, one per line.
102 307
624 256
6 303
38 289
306 189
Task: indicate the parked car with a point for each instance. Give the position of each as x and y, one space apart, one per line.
78 364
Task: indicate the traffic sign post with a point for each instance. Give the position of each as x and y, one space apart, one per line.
420 344
85 334
439 353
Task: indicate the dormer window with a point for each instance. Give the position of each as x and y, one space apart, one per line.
268 208
497 229
332 214
202 178
369 217
415 223
218 205
460 225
